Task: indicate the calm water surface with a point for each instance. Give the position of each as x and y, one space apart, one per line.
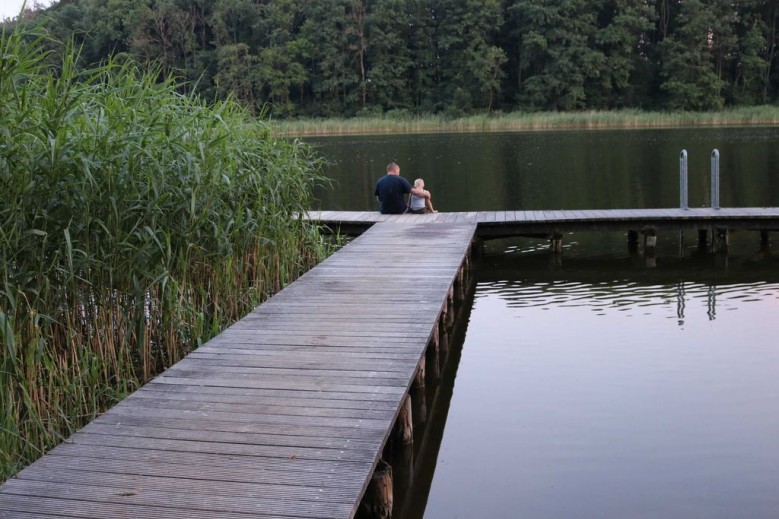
598 384
614 392
558 170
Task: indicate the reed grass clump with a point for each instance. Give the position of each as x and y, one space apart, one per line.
529 121
135 224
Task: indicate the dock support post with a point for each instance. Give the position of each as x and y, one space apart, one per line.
446 319
444 311
377 501
703 239
443 336
632 241
462 281
765 241
723 240
419 378
683 180
449 309
433 354
419 404
556 242
404 425
650 241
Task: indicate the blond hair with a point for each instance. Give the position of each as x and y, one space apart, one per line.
418 182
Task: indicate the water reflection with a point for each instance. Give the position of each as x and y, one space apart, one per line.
600 388
630 298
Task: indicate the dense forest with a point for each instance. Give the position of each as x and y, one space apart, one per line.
353 57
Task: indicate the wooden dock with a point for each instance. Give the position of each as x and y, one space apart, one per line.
497 224
284 414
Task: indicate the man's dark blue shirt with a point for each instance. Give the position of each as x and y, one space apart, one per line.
390 190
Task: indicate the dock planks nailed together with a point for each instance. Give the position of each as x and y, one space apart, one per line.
284 414
495 224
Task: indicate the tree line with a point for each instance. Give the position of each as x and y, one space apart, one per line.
353 57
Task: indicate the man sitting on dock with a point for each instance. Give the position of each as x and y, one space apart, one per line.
391 189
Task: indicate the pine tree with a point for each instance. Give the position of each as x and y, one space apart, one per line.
390 63
623 36
690 79
558 57
334 71
281 72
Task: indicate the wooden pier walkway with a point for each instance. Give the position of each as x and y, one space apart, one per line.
496 224
284 414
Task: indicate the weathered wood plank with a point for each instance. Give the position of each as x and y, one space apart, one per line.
306 381
147 429
75 496
126 483
285 435
313 362
300 452
380 394
293 402
230 467
262 408
236 396
321 385
533 216
500 223
42 506
368 350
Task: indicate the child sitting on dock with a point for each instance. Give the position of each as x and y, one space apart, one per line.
418 204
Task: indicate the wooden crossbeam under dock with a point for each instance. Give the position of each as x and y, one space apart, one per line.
495 224
284 414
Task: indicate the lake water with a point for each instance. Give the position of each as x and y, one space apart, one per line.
598 384
558 170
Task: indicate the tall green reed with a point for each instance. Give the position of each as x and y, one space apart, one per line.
135 224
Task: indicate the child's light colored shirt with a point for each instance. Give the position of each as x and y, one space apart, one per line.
417 202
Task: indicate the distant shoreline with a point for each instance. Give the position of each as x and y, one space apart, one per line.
766 115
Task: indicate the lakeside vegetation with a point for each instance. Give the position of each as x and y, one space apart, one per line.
345 58
136 224
137 220
527 121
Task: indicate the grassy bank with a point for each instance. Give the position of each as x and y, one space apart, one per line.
527 121
135 224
